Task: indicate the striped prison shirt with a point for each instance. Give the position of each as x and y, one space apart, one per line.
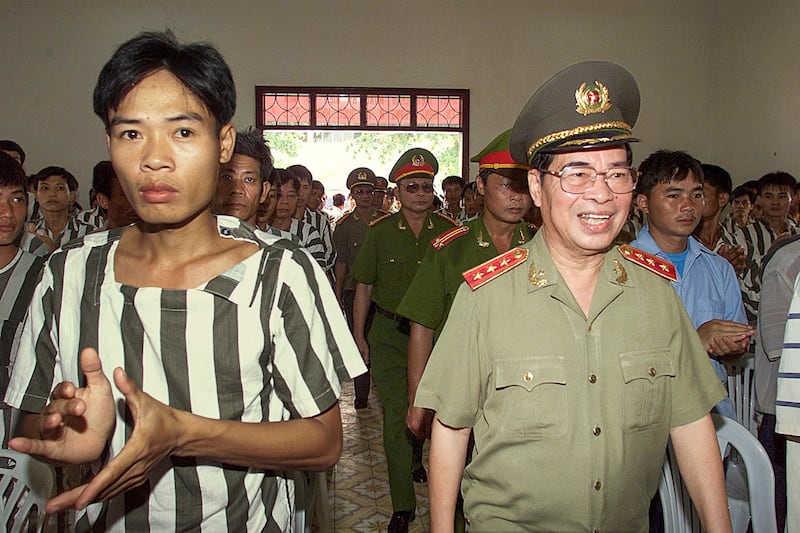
17 281
33 244
320 221
263 341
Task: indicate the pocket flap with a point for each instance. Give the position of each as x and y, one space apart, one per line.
646 364
530 373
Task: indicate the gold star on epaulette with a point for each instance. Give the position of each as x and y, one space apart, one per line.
491 269
654 264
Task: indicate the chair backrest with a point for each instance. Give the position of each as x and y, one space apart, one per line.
25 485
680 515
741 389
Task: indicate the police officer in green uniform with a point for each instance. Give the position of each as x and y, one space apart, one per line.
391 254
348 237
581 362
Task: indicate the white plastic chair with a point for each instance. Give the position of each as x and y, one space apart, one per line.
25 486
741 389
751 497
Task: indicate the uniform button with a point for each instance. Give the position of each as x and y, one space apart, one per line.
597 485
527 377
596 431
592 378
652 372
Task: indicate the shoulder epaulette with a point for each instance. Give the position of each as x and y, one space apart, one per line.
449 236
387 215
486 272
344 217
447 218
654 264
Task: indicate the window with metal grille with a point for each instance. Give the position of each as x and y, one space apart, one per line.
365 109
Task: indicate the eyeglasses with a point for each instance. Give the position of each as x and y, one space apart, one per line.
364 192
413 188
578 180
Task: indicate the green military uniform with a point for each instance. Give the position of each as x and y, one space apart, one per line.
427 301
571 414
348 238
388 261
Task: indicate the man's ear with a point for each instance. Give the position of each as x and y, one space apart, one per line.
480 184
227 141
535 186
102 200
723 198
265 187
641 201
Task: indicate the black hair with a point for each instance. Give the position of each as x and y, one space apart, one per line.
301 173
103 177
199 67
46 172
11 173
754 186
280 176
778 179
316 184
251 143
743 190
11 146
472 186
338 199
665 166
717 177
453 179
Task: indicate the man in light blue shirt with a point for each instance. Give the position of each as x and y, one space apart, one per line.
670 192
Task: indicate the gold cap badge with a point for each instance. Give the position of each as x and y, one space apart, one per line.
592 98
418 160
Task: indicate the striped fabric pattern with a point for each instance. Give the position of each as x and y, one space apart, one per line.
787 404
263 341
92 217
320 221
17 281
310 240
33 244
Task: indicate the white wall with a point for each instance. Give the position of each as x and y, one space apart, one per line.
716 78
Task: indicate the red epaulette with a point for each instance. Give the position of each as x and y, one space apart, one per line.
486 272
449 236
387 215
344 217
654 264
447 218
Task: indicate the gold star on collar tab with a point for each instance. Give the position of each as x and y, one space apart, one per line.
654 264
485 272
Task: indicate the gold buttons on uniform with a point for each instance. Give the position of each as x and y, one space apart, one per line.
527 377
597 485
596 431
652 372
592 378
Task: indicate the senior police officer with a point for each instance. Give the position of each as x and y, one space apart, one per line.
392 252
582 362
351 230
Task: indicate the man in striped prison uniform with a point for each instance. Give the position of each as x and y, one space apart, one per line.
19 271
227 348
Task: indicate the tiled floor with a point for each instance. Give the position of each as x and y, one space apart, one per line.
358 486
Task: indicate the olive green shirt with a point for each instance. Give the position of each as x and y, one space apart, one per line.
348 237
571 415
427 301
391 255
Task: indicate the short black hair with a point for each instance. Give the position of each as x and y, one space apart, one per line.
743 190
316 184
199 66
251 143
280 176
778 179
301 172
472 186
717 177
666 166
338 199
753 185
11 173
103 177
453 179
46 172
11 146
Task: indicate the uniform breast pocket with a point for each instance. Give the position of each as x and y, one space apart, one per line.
530 395
647 376
393 266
